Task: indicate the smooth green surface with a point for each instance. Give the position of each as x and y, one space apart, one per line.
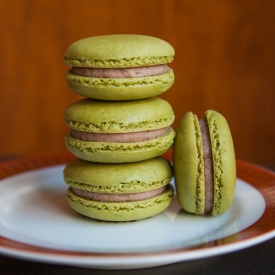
224 162
134 177
120 116
120 88
119 50
112 152
120 211
188 165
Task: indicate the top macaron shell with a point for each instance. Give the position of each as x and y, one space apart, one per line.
119 51
119 117
189 166
118 178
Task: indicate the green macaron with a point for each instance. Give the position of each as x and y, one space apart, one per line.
120 131
204 164
119 192
119 53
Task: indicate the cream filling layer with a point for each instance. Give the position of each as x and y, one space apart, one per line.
133 72
208 166
120 197
119 137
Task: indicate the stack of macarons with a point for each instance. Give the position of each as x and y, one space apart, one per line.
119 131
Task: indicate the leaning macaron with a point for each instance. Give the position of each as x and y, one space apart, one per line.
204 164
124 131
119 67
119 192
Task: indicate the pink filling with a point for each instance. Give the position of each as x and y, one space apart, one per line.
119 137
208 166
119 197
133 72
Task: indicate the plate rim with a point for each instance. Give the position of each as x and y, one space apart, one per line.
259 177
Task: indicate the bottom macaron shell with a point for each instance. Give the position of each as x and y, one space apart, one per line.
224 162
109 152
120 211
120 88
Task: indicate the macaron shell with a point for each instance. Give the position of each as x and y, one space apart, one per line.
120 116
119 178
224 162
188 165
120 88
123 211
118 51
111 152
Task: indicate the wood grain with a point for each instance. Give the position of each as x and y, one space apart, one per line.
225 60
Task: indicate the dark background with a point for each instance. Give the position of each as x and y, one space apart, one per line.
225 60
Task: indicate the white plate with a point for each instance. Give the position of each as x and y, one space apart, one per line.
36 223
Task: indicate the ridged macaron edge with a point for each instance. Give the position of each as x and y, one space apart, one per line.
118 178
122 117
118 63
188 165
224 162
120 88
120 211
118 51
113 152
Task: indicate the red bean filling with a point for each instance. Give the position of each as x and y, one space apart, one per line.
119 197
208 166
119 137
134 72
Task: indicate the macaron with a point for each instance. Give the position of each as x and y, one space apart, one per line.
119 67
120 131
119 192
204 164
